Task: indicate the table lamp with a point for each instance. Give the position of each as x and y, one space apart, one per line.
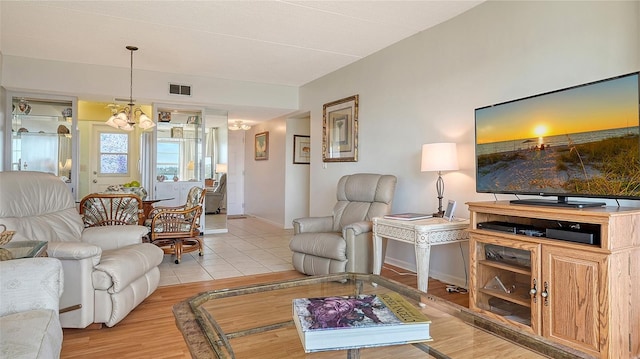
439 157
221 168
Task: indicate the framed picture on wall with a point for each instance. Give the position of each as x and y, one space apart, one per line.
340 130
261 145
301 149
176 132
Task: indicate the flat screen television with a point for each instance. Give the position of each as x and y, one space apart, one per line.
581 141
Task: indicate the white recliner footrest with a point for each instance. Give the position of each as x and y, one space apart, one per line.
120 267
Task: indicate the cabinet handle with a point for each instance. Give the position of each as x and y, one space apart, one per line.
534 291
545 294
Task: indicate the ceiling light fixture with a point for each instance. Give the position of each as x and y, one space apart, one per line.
239 126
124 119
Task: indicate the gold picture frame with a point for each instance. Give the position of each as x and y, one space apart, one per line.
340 130
261 146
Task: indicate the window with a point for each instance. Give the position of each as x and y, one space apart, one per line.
114 153
168 158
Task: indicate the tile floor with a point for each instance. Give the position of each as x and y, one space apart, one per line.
252 246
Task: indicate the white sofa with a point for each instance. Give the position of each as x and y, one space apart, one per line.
108 270
29 322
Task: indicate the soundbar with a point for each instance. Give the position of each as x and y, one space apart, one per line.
571 236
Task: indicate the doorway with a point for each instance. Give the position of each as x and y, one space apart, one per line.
111 159
216 164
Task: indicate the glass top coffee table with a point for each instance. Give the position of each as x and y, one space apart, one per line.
23 249
256 322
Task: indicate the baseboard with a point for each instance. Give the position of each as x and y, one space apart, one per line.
279 225
401 264
443 277
446 278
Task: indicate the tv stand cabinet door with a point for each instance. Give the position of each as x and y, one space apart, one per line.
571 311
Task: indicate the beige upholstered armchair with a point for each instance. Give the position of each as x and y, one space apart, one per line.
216 200
29 322
342 242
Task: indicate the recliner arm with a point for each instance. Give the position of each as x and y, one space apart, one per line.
115 236
313 224
74 250
30 283
359 249
357 228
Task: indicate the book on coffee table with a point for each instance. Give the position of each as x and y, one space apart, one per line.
348 322
408 216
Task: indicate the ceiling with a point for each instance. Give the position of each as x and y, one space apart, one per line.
274 42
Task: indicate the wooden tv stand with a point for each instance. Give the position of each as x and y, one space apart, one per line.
585 296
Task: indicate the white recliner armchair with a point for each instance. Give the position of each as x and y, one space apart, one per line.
343 241
108 271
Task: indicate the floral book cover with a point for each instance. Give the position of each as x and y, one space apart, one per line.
356 312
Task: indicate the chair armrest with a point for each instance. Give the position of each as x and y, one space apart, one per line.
359 249
313 224
357 228
112 237
30 283
157 209
169 222
74 251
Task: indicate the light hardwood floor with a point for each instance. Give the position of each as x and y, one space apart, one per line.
149 331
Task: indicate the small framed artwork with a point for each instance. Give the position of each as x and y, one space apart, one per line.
448 213
164 116
176 132
301 149
340 130
193 120
261 145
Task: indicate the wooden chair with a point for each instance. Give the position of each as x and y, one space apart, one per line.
176 230
101 209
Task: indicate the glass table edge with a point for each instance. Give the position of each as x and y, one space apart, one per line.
35 247
218 344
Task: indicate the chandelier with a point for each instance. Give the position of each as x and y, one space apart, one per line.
239 126
124 119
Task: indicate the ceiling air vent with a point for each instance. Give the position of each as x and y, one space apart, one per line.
180 89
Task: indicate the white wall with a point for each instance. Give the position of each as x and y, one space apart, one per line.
425 89
3 104
297 175
264 180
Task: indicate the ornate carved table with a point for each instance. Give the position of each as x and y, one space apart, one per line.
422 234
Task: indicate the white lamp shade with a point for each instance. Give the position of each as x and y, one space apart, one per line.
439 157
121 119
221 168
111 122
145 122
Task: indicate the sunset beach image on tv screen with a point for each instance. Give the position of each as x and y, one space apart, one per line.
583 141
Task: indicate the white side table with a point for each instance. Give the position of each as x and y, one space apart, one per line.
422 234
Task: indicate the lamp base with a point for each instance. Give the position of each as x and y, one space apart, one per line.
438 214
